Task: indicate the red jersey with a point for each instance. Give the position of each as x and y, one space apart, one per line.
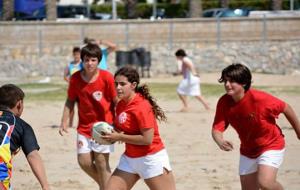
95 100
131 118
254 119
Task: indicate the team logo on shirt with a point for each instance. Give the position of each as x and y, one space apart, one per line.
122 117
97 95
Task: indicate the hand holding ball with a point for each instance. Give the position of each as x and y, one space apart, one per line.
100 129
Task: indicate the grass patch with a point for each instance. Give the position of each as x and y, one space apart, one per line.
58 92
44 92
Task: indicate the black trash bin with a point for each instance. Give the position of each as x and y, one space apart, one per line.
146 63
122 58
138 58
141 58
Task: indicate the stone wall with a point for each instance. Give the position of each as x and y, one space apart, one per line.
44 48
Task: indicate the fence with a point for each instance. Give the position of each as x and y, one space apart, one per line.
128 33
37 43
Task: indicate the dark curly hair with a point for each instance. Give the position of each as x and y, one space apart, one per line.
133 76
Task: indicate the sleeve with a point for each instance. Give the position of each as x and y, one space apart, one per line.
72 95
29 142
111 86
274 106
145 117
220 121
104 52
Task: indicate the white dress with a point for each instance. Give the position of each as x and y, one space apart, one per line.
190 85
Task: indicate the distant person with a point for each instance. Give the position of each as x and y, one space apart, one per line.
252 113
15 133
190 85
145 155
93 91
74 66
106 46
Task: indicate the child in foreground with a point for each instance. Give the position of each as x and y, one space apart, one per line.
145 154
15 133
252 113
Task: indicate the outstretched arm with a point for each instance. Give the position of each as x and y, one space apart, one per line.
223 144
35 161
292 118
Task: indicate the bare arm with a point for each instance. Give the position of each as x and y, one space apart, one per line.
189 64
110 45
69 106
292 118
66 74
223 144
145 138
35 161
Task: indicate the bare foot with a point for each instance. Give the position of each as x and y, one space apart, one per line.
184 110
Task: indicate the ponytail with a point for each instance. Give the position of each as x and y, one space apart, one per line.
133 76
158 112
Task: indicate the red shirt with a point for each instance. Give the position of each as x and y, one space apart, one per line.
254 119
131 118
95 100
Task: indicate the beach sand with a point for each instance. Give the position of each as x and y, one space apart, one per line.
197 162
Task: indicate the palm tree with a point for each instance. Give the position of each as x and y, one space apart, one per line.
51 10
224 3
195 8
8 9
276 5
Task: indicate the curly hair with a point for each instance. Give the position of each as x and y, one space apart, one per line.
132 76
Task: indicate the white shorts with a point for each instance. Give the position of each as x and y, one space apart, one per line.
147 166
189 87
86 145
272 158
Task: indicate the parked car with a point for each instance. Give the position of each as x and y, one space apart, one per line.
72 11
101 16
226 12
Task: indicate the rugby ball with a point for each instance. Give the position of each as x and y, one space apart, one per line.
99 129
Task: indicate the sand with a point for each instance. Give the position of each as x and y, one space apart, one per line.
197 162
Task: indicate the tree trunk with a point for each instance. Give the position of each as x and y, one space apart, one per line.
276 5
130 8
195 8
224 3
51 10
8 9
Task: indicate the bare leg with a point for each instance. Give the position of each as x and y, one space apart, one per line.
266 176
86 163
184 101
103 169
201 99
249 181
121 180
165 181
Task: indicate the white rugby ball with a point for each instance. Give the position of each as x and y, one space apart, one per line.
99 129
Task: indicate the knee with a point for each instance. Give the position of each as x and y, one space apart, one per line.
102 163
83 163
266 184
